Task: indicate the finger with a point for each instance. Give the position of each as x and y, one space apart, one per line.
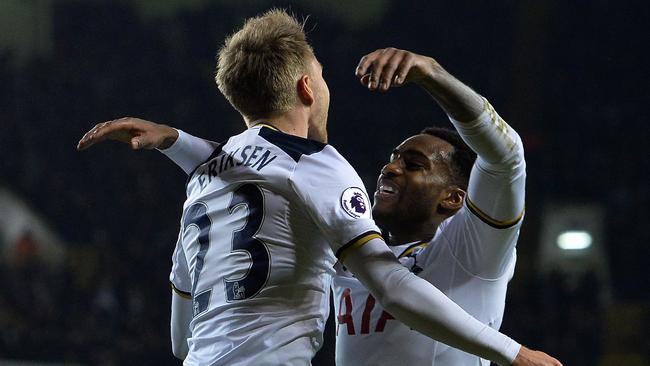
403 69
84 143
366 62
143 142
365 79
388 71
106 130
135 143
378 72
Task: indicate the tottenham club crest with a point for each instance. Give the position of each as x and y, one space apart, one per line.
355 203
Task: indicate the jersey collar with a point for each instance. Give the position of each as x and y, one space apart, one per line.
266 124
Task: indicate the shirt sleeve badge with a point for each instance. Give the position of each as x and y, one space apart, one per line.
355 203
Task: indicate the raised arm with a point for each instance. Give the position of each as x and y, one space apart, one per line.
495 193
499 148
183 149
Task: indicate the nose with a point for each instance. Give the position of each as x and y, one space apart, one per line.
392 168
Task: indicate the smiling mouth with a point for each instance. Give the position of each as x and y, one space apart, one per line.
386 189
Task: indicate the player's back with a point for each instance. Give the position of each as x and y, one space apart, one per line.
251 254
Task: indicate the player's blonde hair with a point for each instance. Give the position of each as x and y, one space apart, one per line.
259 65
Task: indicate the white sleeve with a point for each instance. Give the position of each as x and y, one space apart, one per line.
423 307
181 315
497 181
335 198
181 312
180 274
189 151
484 233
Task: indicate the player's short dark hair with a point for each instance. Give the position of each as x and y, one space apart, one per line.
462 157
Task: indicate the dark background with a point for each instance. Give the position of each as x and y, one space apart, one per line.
570 77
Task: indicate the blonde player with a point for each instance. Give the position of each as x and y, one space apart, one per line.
268 211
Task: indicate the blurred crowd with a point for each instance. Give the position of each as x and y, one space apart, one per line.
108 304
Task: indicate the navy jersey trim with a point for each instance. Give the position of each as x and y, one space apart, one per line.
293 146
214 154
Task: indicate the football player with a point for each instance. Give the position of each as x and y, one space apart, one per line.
451 218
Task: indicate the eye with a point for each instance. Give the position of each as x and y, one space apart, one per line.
413 165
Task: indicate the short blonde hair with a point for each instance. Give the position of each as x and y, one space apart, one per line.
259 65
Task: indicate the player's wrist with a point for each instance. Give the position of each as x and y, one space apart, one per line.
170 135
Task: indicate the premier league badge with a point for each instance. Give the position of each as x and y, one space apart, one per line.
355 203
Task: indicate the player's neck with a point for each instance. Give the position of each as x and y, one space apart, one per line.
292 122
410 233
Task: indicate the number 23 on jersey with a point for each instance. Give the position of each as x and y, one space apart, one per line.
243 240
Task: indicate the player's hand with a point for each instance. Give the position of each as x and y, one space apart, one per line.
528 357
138 133
390 67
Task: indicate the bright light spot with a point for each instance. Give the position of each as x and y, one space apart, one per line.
574 240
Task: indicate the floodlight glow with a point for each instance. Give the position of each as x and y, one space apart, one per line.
574 240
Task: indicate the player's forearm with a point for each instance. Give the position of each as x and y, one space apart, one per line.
424 308
495 142
474 118
458 100
444 320
189 151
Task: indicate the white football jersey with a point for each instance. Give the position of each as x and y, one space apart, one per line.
368 335
263 218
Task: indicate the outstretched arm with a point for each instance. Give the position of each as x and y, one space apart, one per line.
183 149
421 306
138 133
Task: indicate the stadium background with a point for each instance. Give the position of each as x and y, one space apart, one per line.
87 237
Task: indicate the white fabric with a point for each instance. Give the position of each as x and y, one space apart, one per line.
180 325
282 323
499 347
467 259
421 306
187 151
497 181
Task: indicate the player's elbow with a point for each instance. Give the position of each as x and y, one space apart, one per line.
179 349
515 158
388 295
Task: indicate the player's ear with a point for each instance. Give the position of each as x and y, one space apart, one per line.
452 199
305 91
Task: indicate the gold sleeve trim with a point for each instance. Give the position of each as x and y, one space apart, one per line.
412 248
489 220
357 242
183 294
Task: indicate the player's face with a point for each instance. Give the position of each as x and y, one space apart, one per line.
411 185
318 118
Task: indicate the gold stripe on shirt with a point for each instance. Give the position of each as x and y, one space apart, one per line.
357 243
498 224
183 294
